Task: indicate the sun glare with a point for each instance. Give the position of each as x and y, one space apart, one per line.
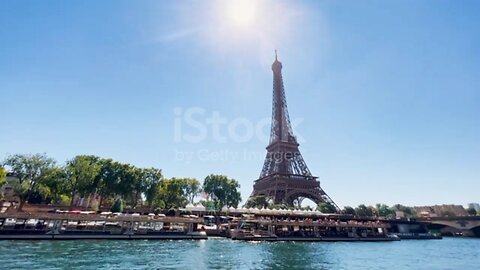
249 25
242 13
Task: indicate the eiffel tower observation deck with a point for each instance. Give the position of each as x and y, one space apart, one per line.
285 177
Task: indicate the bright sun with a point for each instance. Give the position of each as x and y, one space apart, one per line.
248 24
242 12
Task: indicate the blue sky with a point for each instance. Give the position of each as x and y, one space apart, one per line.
385 94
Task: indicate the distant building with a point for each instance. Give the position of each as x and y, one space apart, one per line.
475 206
440 210
400 214
7 189
91 201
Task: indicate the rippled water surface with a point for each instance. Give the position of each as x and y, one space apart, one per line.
448 253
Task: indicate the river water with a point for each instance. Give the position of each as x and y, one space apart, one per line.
449 253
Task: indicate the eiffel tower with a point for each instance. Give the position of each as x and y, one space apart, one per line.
285 177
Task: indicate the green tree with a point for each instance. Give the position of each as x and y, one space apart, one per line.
171 192
117 206
152 178
363 211
128 182
3 180
257 201
81 173
209 205
123 185
408 211
106 179
222 190
349 210
471 211
3 176
109 179
326 207
192 188
130 185
384 210
278 206
29 170
158 204
138 186
54 184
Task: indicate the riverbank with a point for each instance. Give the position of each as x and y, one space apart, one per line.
119 226
67 226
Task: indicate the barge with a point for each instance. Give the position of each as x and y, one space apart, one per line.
42 226
318 230
418 236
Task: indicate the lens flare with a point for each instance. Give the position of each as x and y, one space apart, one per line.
242 13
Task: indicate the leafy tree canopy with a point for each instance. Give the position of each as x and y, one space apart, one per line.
81 173
471 211
29 170
192 188
409 211
363 211
172 193
53 184
384 210
257 201
222 190
3 176
349 210
117 206
326 207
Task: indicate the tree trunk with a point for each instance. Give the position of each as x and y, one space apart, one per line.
74 189
71 201
217 218
88 201
20 206
100 202
134 200
22 202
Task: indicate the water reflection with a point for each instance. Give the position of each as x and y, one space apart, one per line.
449 253
297 255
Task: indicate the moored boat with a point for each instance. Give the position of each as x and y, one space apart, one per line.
41 226
310 230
